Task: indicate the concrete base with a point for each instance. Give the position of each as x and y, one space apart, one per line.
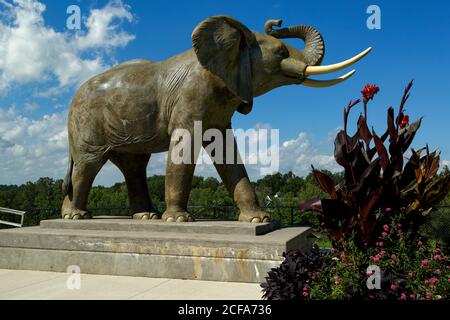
206 250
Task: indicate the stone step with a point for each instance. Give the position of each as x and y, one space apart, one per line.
205 226
137 265
144 252
267 247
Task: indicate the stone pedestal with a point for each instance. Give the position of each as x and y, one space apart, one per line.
204 250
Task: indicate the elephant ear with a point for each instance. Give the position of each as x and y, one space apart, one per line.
223 46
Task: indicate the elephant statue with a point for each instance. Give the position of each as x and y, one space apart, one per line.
132 111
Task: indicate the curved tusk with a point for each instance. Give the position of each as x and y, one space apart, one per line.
313 70
327 83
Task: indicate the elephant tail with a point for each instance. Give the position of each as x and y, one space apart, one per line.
67 184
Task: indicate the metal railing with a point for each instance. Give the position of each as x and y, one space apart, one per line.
14 212
285 214
288 215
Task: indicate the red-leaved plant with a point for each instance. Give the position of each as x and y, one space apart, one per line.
377 181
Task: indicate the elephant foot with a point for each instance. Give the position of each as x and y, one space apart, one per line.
177 216
146 216
254 216
76 214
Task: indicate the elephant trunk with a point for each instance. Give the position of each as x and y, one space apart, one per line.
314 49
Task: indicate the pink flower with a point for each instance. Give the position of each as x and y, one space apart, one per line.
305 289
428 295
432 280
388 210
379 244
425 263
384 234
394 286
420 243
399 225
401 238
403 296
337 280
436 251
448 280
305 294
437 257
386 228
410 274
412 296
382 252
437 271
421 249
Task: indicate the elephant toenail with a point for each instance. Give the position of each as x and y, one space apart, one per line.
266 219
181 219
76 217
256 220
191 219
170 219
67 216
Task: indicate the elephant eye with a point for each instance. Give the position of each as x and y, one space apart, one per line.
282 52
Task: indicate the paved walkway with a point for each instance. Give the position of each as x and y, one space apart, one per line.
21 285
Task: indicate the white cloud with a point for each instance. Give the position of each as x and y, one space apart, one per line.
31 106
31 51
30 149
102 32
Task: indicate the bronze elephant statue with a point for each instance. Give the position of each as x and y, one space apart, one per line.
132 111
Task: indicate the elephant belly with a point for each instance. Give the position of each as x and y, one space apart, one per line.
136 131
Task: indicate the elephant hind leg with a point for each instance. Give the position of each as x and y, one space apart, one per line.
134 169
75 203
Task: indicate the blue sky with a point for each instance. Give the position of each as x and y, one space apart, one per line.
413 43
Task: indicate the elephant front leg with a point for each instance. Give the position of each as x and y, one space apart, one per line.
235 178
180 170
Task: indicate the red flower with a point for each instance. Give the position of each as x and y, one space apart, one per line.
369 91
405 121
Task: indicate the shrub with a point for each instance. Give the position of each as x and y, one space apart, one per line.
292 279
410 270
377 182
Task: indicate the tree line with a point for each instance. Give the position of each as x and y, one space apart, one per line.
42 199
